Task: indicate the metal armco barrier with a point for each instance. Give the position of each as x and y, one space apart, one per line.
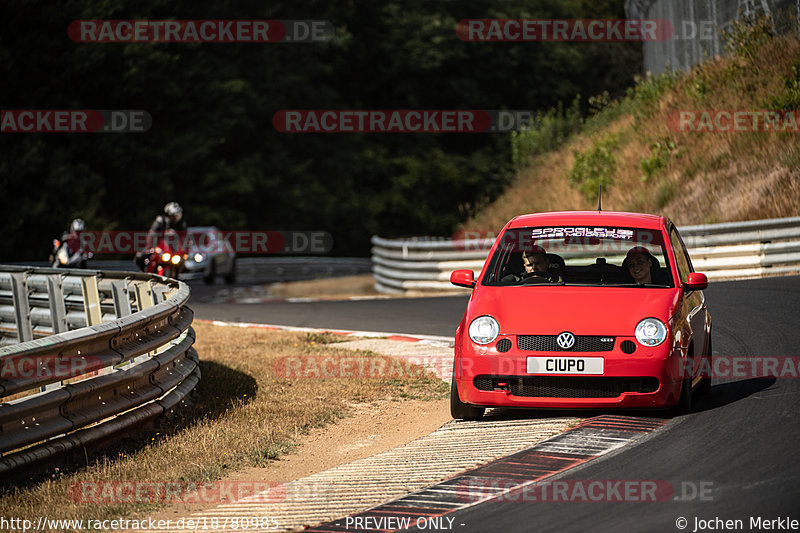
736 250
85 355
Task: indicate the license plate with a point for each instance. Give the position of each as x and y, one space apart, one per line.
565 365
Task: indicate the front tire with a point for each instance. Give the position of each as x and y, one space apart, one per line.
230 277
208 278
460 410
684 406
705 384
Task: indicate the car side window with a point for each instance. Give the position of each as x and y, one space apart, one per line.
681 256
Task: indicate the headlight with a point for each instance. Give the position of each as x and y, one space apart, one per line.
198 257
176 259
484 330
651 332
63 256
165 257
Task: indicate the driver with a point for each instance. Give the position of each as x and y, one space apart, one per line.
536 263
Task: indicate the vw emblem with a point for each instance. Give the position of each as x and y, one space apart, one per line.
565 340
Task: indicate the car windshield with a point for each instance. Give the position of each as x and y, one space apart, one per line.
580 255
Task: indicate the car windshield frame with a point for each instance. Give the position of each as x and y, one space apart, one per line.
579 255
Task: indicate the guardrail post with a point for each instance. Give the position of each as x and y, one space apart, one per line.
158 294
55 296
144 300
91 300
58 313
144 295
119 293
22 311
91 307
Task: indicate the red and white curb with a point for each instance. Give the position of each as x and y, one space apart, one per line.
591 439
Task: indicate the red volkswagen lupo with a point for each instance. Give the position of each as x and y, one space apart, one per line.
584 309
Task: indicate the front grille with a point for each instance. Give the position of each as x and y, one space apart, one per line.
583 343
568 386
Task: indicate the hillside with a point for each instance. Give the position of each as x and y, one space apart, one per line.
693 177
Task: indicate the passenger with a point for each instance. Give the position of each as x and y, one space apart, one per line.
639 264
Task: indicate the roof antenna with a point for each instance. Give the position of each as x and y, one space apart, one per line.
600 198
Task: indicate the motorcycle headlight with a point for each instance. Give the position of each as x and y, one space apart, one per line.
198 258
484 330
651 332
63 256
176 259
165 257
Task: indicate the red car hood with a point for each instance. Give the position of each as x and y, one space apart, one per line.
542 310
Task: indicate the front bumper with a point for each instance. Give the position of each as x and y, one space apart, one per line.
648 378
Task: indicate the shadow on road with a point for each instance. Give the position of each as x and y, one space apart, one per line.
720 395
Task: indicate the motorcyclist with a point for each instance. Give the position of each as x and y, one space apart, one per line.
170 219
76 255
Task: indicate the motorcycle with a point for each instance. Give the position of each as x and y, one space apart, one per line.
162 260
67 252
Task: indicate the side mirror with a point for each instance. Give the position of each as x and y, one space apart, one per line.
463 278
697 282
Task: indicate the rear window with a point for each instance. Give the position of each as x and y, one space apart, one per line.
580 255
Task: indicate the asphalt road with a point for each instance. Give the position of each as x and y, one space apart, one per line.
427 316
733 458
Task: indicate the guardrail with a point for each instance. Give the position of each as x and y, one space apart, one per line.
85 355
736 250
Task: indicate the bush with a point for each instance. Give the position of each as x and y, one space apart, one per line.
743 37
660 154
789 98
547 132
647 91
665 193
595 167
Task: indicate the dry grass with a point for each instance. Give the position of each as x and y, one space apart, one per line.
709 177
246 413
361 285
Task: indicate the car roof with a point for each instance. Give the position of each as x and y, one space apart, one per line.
589 218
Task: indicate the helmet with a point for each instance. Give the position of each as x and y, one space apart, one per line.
77 225
174 211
